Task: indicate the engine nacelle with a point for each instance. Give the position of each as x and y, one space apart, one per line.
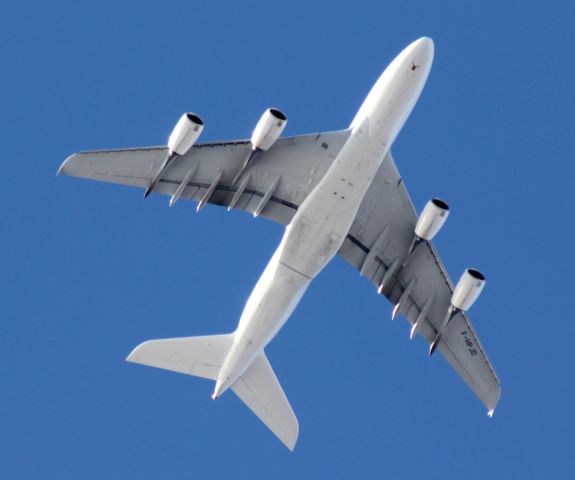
468 289
185 134
431 219
268 129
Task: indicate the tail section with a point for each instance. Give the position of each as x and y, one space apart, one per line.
203 357
198 356
259 389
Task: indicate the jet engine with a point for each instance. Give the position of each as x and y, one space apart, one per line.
468 289
428 224
185 133
431 219
466 292
268 129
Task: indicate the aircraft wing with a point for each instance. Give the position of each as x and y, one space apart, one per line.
387 206
274 186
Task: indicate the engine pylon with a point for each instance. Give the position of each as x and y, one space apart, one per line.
268 129
185 134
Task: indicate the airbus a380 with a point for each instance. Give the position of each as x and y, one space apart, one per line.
337 192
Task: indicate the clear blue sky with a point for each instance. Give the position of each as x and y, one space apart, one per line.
90 270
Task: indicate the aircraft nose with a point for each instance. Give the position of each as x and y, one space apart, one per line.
423 48
419 55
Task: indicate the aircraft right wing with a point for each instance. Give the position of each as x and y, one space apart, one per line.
387 207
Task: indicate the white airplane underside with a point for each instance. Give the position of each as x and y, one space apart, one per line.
336 193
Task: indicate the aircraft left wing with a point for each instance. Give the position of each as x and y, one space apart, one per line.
273 185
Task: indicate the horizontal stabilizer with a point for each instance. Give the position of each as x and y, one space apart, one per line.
198 356
260 390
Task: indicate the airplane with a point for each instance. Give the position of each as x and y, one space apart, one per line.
337 193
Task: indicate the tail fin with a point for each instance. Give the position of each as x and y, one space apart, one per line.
259 389
198 356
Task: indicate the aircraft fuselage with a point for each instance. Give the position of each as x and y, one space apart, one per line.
319 227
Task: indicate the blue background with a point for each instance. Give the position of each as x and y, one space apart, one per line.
89 270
